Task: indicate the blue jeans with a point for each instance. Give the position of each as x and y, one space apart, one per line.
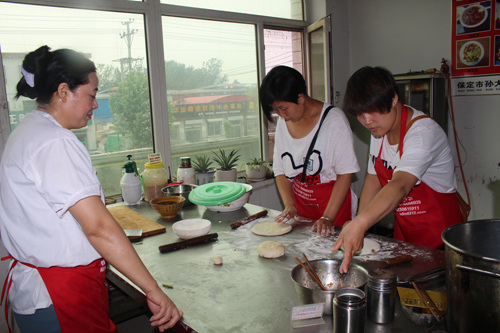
42 321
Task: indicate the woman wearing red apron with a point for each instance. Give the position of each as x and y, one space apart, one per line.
410 169
53 219
314 159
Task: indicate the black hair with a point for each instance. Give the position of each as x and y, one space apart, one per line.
370 89
50 69
282 83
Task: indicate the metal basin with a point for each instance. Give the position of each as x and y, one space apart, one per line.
182 190
328 271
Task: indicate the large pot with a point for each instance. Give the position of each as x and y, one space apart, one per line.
473 276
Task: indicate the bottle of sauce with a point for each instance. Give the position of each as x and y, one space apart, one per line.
154 177
185 172
130 184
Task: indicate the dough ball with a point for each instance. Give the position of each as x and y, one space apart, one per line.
271 249
217 260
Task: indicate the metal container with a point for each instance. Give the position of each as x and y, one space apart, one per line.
381 294
472 252
181 190
328 271
349 311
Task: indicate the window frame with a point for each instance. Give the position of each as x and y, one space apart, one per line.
153 12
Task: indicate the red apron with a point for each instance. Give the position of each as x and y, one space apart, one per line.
424 214
80 297
311 200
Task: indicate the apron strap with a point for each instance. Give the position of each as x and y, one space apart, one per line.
5 290
405 127
313 142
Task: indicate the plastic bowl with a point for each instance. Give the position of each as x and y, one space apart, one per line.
181 190
168 206
328 271
191 228
235 204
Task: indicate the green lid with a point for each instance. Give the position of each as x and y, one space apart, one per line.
217 193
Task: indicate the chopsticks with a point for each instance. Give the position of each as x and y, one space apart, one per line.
311 271
427 301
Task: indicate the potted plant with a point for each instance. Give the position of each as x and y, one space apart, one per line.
202 165
256 169
227 163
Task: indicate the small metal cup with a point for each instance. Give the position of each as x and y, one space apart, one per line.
349 311
381 297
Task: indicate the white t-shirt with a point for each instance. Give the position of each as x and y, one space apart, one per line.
426 155
333 151
44 171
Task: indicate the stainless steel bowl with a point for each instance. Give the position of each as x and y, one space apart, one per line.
182 190
328 271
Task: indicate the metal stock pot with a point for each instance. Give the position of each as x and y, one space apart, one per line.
473 276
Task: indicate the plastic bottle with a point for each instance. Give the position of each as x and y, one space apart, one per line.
154 177
130 184
185 172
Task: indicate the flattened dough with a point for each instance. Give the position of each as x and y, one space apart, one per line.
271 229
369 247
271 249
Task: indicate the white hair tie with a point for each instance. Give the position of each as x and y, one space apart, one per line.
28 77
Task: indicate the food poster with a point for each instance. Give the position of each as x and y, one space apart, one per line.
476 38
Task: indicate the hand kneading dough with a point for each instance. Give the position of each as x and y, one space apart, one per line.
271 249
369 247
271 229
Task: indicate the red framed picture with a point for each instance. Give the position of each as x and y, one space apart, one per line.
475 37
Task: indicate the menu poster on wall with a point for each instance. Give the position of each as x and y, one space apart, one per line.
476 38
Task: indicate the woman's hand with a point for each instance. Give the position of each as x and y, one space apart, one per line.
288 213
351 237
324 227
165 313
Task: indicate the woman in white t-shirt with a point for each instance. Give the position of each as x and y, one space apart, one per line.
53 219
313 131
410 169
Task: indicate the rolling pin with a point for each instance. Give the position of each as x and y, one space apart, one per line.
246 220
188 242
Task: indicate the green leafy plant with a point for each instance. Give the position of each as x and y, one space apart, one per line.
202 163
255 163
226 161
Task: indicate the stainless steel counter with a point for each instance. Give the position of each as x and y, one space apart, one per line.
249 293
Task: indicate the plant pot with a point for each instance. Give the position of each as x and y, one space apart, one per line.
204 177
254 174
225 175
270 173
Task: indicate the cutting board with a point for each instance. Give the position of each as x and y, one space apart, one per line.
130 219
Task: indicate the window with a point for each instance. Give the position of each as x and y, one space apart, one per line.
282 47
198 95
288 9
122 123
214 127
211 73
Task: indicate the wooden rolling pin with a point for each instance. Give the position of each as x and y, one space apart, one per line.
188 242
251 218
398 259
